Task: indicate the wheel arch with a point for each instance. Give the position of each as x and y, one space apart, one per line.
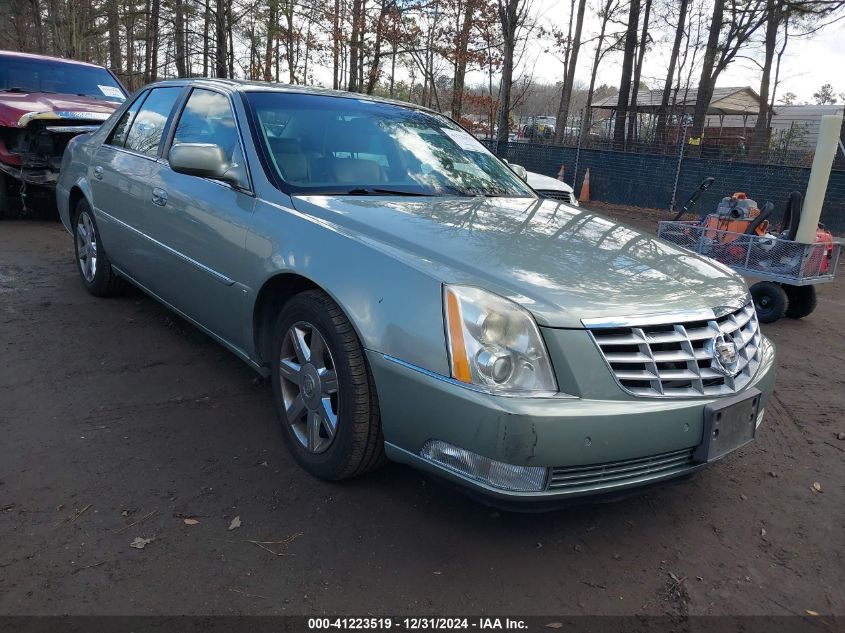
80 190
275 292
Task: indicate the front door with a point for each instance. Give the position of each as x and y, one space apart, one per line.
200 224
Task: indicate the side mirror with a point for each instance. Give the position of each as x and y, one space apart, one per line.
205 161
520 171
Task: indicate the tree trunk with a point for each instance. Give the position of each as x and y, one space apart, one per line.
660 131
115 53
586 122
272 24
206 35
569 80
707 80
336 45
179 34
372 78
355 43
154 42
508 14
761 126
461 59
632 108
625 83
220 65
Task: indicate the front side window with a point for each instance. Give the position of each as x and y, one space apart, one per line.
337 145
148 126
208 118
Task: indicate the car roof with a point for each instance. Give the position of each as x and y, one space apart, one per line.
248 85
47 58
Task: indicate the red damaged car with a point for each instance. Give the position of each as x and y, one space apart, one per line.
44 102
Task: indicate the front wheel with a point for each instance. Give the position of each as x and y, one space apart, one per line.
770 301
323 390
93 265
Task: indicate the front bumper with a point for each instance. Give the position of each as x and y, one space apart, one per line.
621 444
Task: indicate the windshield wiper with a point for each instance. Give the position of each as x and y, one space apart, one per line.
380 191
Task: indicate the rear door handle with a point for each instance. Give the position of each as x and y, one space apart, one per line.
98 172
159 197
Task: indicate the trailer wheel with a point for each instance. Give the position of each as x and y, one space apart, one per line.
770 301
802 301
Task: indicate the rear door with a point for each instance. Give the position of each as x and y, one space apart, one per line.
120 175
199 225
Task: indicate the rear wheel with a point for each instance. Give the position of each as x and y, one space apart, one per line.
323 390
93 265
770 301
802 301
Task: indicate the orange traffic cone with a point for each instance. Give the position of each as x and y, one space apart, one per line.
561 173
585 187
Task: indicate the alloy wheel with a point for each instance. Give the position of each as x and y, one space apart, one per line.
86 246
309 387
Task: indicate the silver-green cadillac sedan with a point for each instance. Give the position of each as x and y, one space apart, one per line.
411 298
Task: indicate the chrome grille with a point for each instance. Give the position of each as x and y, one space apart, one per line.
554 194
675 359
619 472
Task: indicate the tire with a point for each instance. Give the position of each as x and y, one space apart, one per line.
92 264
802 301
355 444
770 301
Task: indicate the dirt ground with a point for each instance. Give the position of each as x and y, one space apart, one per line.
118 421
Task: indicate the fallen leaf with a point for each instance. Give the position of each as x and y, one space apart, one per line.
437 573
762 531
140 542
817 486
191 522
125 513
554 625
811 612
743 497
235 524
840 436
772 473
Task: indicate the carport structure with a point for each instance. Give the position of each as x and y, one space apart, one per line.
728 112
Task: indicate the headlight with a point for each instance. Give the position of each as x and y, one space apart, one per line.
495 344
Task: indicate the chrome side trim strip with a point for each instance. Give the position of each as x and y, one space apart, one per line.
210 271
457 383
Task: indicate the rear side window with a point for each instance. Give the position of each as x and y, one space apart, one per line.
118 135
208 118
148 126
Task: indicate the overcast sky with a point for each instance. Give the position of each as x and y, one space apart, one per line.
808 63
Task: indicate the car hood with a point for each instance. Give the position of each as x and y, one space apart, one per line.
18 108
539 181
561 263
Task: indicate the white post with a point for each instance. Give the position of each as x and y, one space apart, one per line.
826 146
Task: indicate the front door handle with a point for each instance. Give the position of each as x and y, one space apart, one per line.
98 172
159 197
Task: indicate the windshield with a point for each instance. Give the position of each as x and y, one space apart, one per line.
43 75
338 145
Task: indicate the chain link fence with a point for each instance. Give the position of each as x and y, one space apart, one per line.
663 176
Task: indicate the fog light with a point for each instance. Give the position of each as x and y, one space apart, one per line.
484 469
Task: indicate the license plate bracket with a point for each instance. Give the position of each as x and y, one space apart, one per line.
728 424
